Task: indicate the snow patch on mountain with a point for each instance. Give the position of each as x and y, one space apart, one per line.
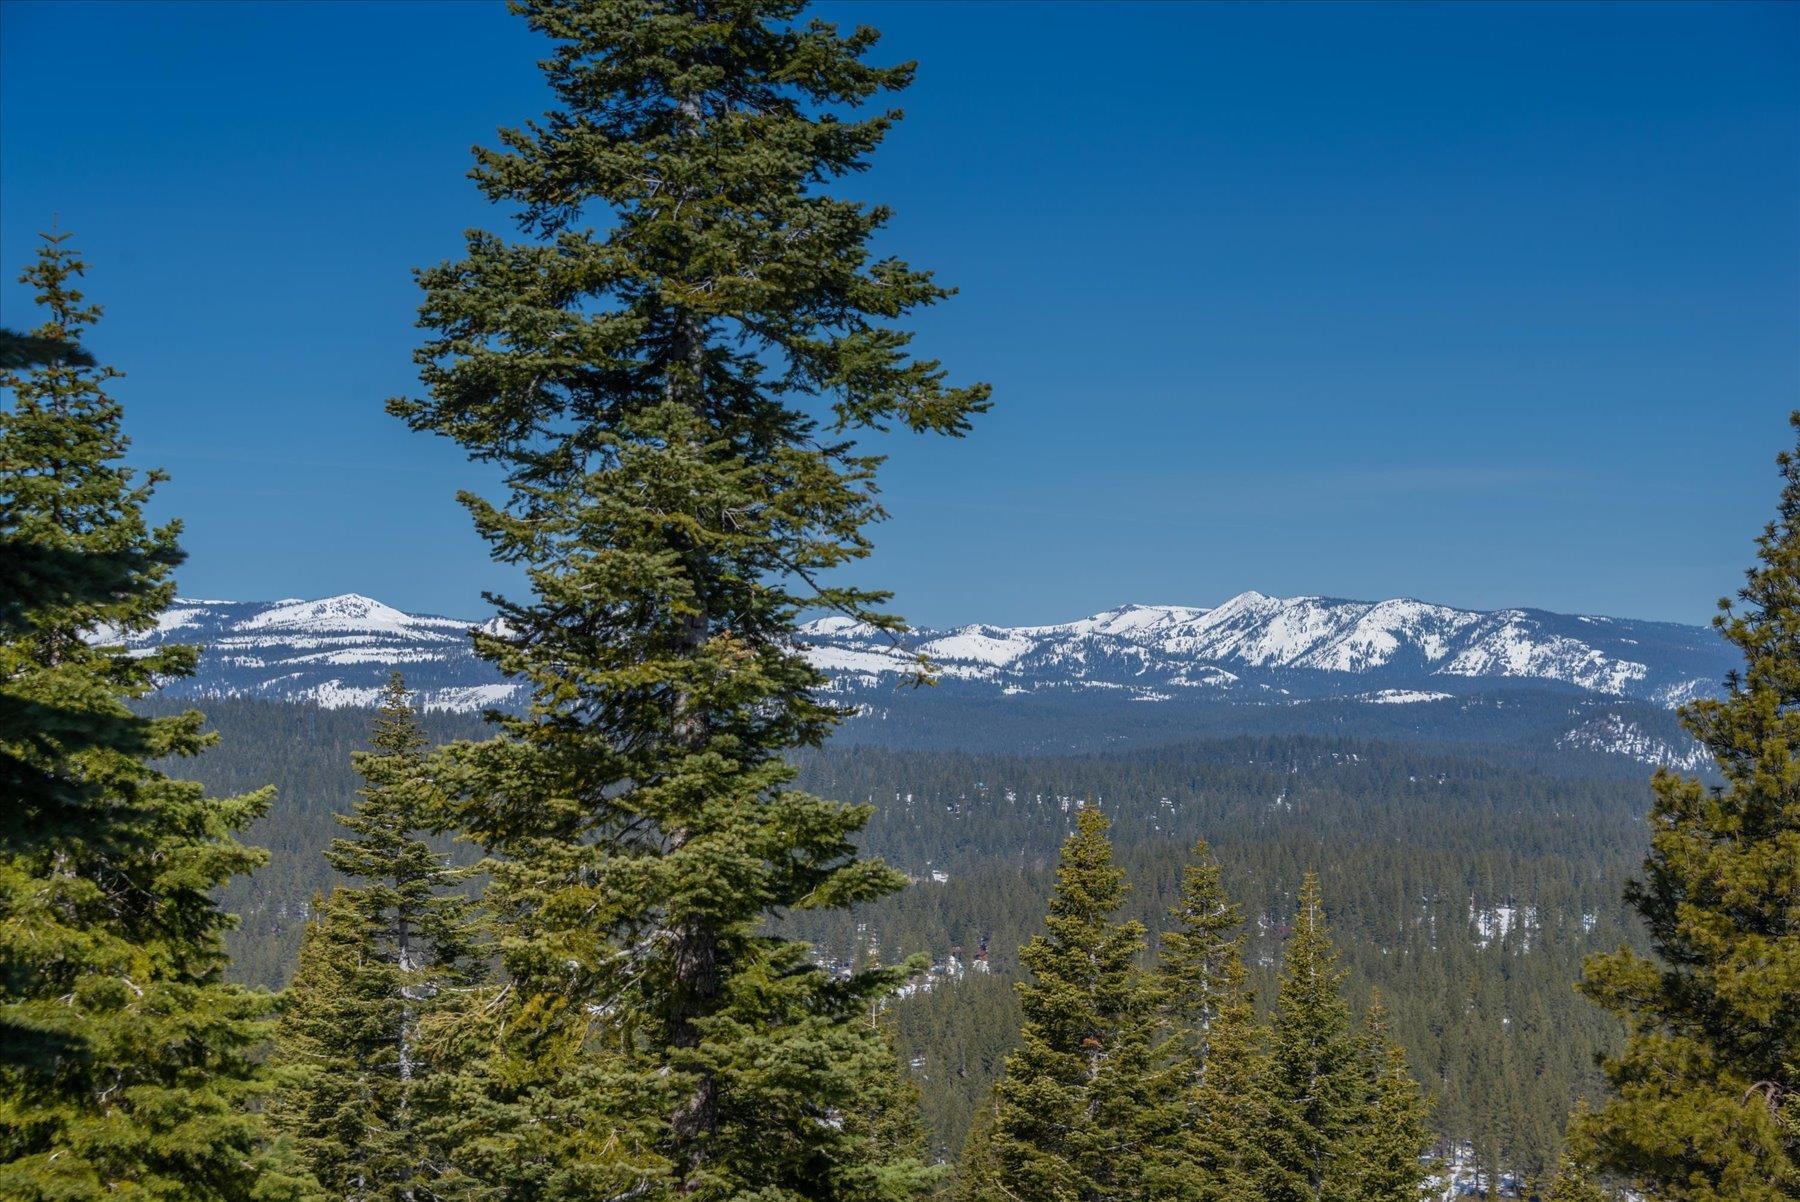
1253 648
1401 697
1615 735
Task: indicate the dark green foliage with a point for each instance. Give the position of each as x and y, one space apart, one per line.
1413 846
1409 840
124 1056
1103 1101
673 399
1318 1083
1221 1151
1705 1101
1575 1179
890 1117
1383 1149
1199 959
378 960
19 351
978 1172
1085 1098
1232 1149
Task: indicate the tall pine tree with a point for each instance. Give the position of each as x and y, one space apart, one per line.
670 368
1240 1144
126 1061
1705 1101
1317 1082
1221 1151
1081 1107
1384 1150
358 1091
1199 956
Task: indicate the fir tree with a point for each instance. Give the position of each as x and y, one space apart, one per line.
1317 1082
1575 1180
670 369
890 1120
19 351
125 1059
1198 956
1705 1101
1077 1112
978 1171
1382 1159
1241 1145
376 958
1221 1070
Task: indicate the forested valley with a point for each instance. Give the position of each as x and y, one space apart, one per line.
1463 888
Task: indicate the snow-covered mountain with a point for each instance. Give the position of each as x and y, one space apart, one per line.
1253 648
336 651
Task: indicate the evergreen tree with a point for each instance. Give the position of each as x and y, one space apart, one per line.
1224 1147
19 351
1241 1147
1383 1153
125 1059
890 1120
1076 1113
1575 1180
1198 956
978 1172
377 957
670 369
1317 1079
1705 1101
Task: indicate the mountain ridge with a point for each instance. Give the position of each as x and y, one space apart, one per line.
1252 648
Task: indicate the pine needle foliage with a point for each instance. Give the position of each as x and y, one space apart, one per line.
1229 1152
1705 1096
378 959
1317 1082
1385 1149
1081 1108
1199 960
1220 1150
126 1061
671 367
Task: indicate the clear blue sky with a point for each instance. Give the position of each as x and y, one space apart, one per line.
1486 305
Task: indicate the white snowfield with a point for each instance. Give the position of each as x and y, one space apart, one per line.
1255 641
1253 648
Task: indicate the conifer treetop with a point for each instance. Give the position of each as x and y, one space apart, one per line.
1706 1092
124 1055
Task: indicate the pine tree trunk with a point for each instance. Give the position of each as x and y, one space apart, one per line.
696 948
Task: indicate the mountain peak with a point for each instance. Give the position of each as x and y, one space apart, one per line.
346 610
1253 648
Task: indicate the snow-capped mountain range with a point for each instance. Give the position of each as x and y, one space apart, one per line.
336 651
1253 648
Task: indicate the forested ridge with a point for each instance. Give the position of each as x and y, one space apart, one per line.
1464 888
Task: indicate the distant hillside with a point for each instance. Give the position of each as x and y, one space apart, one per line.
1129 676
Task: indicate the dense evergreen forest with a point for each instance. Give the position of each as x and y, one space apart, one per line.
1464 888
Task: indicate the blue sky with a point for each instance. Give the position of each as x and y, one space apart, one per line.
1486 305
